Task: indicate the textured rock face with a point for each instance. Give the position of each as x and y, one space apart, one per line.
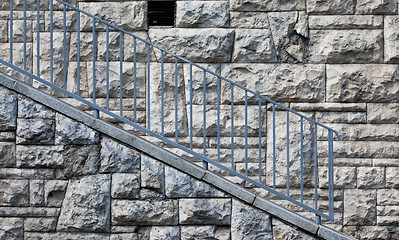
204 232
376 7
80 161
86 206
202 14
11 228
125 185
249 20
159 233
269 5
8 108
391 39
7 154
69 131
345 22
14 193
331 7
36 131
30 109
204 211
284 231
39 156
152 174
360 207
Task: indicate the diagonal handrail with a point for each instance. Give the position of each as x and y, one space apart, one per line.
310 134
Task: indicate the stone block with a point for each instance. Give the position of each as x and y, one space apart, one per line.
376 7
8 109
18 60
85 46
383 112
36 192
125 185
80 160
282 230
69 131
198 45
17 173
249 223
371 232
141 47
35 131
7 155
331 7
14 193
361 149
370 177
387 197
137 212
346 46
253 45
39 156
345 22
281 82
40 224
27 108
363 132
152 174
72 79
198 14
360 207
391 39
86 206
54 191
58 20
67 235
205 232
4 31
392 177
269 5
200 211
7 136
123 236
344 177
116 157
160 233
257 20
11 228
341 117
365 83
31 5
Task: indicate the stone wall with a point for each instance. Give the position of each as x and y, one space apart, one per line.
335 61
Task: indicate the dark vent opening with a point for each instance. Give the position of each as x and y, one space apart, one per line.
161 13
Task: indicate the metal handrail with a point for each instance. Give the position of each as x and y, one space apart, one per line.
177 59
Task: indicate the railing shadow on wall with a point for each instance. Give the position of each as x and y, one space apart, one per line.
174 100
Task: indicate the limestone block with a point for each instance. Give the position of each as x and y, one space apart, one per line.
345 22
14 193
80 161
7 136
392 177
58 20
136 212
129 16
370 232
85 46
113 46
8 109
363 132
152 174
7 155
284 231
341 117
199 14
123 236
346 46
36 192
116 157
27 108
178 184
366 83
204 232
11 228
331 7
45 50
72 79
5 5
125 185
18 60
344 177
44 73
197 45
18 30
387 197
4 31
169 100
205 211
31 5
256 20
54 191
86 206
68 131
160 233
40 224
269 5
370 177
362 149
253 45
360 207
67 235
141 47
17 173
249 223
29 212
383 113
376 7
35 131
278 82
391 39
39 156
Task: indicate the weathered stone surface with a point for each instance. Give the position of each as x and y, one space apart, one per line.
387 197
4 31
383 112
7 154
80 161
370 177
360 207
369 132
31 5
284 231
18 60
362 149
39 156
58 21
204 232
249 20
7 136
372 232
178 184
11 228
128 212
331 7
392 177
35 131
8 109
14 193
86 206
116 157
341 117
279 82
40 224
123 236
160 233
28 108
376 7
391 39
197 45
205 211
128 47
345 22
346 46
253 45
152 174
249 223
269 5
367 83
126 15
65 235
69 131
54 191
344 177
86 46
125 185
36 192
202 14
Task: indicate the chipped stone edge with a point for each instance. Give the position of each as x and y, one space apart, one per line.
170 159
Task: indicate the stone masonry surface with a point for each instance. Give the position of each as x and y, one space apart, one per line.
336 61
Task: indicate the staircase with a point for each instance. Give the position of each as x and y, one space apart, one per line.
148 99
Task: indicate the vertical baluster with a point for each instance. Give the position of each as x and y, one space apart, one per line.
330 174
232 126
218 117
148 87
204 163
107 65
96 113
134 80
65 49
121 74
78 53
288 153
274 146
11 29
162 95
38 37
260 140
315 172
51 45
176 99
301 159
246 133
24 34
191 106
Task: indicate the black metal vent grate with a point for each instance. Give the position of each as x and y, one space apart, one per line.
161 13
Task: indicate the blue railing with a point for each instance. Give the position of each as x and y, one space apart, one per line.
280 178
